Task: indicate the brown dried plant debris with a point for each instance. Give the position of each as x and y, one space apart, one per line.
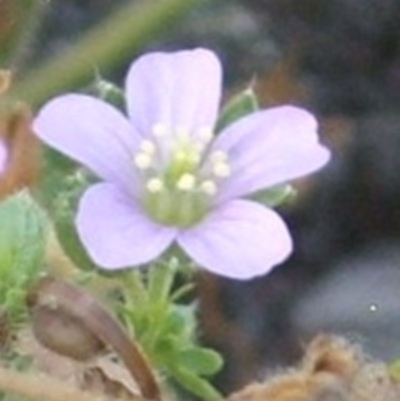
70 322
333 369
104 375
23 163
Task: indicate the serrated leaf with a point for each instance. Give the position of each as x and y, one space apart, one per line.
239 106
200 360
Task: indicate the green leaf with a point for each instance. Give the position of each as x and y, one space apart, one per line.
200 360
275 196
181 321
22 249
239 106
195 384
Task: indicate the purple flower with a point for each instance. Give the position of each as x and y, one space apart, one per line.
3 156
166 178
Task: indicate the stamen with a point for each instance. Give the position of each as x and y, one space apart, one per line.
205 134
186 182
159 130
208 187
218 156
187 155
155 185
143 161
221 169
147 146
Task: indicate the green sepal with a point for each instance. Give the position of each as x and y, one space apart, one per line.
61 188
275 196
23 227
239 106
109 92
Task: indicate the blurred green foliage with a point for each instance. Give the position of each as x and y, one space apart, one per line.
107 45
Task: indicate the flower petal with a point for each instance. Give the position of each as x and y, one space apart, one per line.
3 156
268 148
241 239
180 89
115 231
93 133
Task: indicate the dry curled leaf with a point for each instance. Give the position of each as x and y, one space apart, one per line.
108 377
70 322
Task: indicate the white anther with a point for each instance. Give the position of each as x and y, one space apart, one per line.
147 146
155 185
218 156
221 169
208 187
205 134
143 161
159 130
186 182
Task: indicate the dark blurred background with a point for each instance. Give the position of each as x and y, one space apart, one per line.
341 60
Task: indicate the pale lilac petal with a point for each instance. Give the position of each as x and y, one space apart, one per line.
240 239
3 156
93 133
115 232
268 148
180 89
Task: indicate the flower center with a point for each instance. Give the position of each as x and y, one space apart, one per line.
180 174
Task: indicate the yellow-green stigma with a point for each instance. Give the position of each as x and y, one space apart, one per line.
178 190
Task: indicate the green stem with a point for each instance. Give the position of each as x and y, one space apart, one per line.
161 278
108 44
135 290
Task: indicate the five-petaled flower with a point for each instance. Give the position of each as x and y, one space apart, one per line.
166 177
